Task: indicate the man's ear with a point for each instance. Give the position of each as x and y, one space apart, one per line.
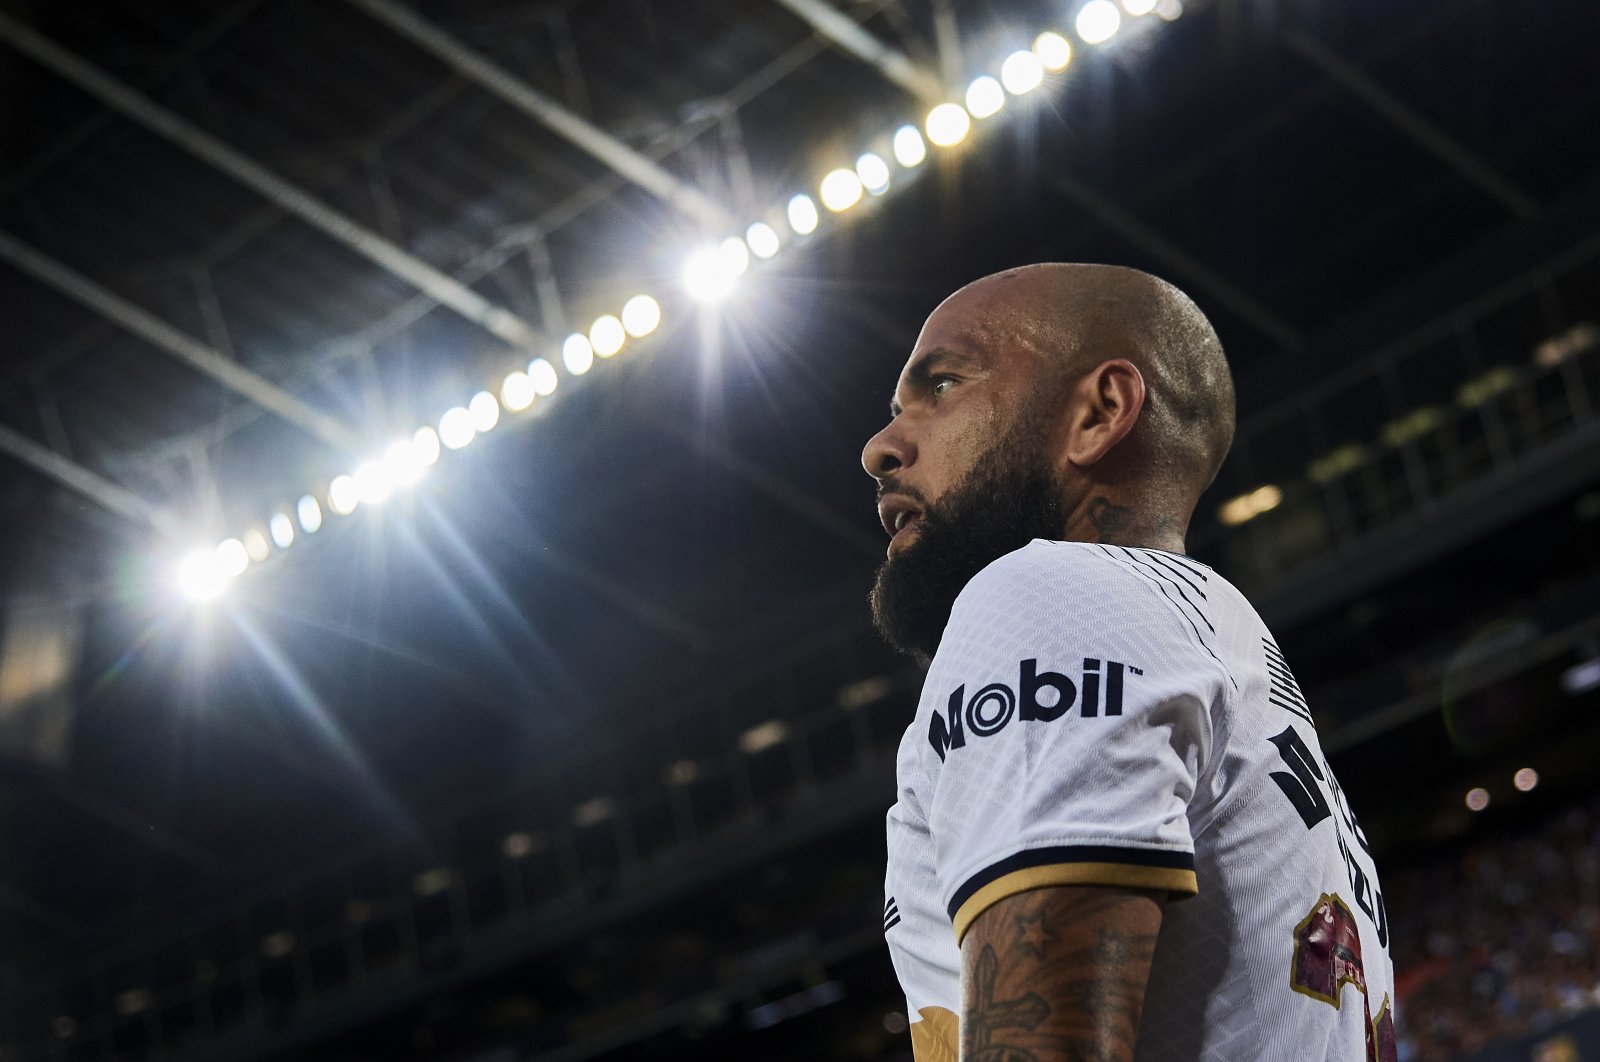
1106 404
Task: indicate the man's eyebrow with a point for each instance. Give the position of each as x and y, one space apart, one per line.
924 367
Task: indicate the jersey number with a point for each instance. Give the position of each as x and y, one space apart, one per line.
1327 956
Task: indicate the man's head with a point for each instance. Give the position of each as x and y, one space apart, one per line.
1081 402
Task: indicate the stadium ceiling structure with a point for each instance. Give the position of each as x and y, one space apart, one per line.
252 251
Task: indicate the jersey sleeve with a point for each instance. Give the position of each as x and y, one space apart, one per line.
1071 719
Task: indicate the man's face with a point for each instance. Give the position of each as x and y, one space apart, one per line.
964 470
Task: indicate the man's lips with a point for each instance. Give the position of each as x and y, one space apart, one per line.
898 514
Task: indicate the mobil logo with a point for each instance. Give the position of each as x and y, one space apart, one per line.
1040 696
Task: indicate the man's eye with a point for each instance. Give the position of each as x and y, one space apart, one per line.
941 384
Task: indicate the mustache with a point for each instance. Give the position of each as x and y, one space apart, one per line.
886 488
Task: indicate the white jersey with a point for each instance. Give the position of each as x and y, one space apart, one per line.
1112 716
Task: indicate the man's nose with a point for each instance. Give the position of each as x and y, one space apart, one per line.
886 453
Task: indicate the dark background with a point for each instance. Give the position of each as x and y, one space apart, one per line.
478 772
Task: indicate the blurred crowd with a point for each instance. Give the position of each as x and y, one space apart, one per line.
1500 942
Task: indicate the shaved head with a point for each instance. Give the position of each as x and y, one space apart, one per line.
1058 401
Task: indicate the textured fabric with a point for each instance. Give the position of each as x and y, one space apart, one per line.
1103 715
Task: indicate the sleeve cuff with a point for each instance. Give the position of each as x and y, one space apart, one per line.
1138 868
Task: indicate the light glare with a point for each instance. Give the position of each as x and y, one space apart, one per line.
985 97
282 529
1098 21
1138 7
641 315
607 335
706 275
1171 10
873 171
310 514
577 354
403 463
948 124
374 482
255 544
735 256
802 214
544 377
342 495
909 149
455 428
1525 779
425 444
763 239
1021 73
232 558
485 411
1477 799
200 575
516 391
1054 51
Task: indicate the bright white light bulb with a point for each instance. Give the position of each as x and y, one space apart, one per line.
343 496
1054 51
873 171
374 482
1098 21
641 315
485 411
577 354
403 463
282 529
802 214
232 557
425 444
200 575
607 335
1138 7
455 428
763 240
985 97
840 190
947 124
516 391
544 377
909 149
1021 73
255 544
706 276
310 514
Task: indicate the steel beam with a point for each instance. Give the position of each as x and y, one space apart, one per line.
228 373
479 69
437 284
91 485
845 32
1422 132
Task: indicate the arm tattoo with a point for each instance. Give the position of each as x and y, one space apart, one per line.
1074 994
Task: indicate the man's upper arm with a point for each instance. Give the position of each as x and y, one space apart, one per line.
1058 974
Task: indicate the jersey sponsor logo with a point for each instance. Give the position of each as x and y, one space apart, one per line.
990 709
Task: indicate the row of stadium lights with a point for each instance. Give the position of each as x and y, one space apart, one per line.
710 275
1523 781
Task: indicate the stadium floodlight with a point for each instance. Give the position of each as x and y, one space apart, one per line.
840 190
706 275
1138 7
1477 798
1054 51
343 496
404 464
802 214
374 482
735 255
455 428
909 148
1021 73
577 354
874 173
607 335
947 124
641 315
985 97
516 391
762 240
310 514
425 444
484 410
1098 21
255 544
544 377
282 529
232 557
200 575
1171 10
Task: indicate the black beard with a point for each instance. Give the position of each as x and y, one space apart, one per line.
1008 499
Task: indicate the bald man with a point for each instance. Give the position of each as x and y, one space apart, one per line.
1117 836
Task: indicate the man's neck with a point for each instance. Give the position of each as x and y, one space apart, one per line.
1103 519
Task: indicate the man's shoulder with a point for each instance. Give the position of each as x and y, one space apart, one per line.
1047 569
